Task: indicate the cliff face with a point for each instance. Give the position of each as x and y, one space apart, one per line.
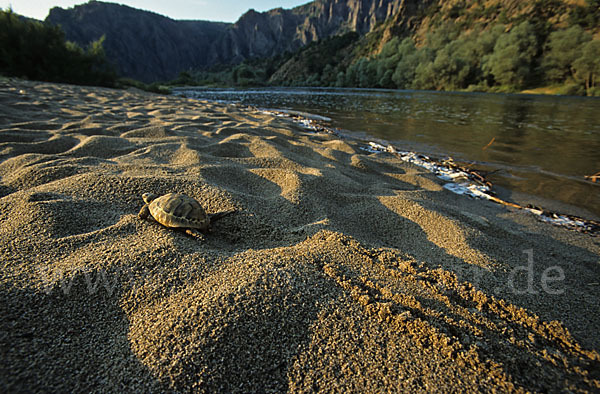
257 35
143 45
276 31
151 47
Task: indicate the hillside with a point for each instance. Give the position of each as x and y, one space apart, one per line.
465 45
409 44
151 47
143 45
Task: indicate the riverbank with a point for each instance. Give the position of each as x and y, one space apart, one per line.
537 150
340 270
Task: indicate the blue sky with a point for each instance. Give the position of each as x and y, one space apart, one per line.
214 10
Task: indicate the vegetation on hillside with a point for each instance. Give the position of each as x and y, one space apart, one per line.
34 50
497 59
476 45
306 67
466 46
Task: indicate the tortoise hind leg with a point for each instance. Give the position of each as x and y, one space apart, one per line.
194 233
213 217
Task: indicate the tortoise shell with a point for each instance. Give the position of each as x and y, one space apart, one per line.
178 211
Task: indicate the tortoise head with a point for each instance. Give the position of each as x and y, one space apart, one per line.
149 197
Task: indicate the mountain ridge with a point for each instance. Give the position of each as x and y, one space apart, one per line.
149 47
143 44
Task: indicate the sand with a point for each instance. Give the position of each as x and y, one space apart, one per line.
340 271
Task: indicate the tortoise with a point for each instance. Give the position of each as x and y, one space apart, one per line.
179 211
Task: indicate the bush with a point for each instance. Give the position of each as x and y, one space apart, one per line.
572 89
595 92
124 83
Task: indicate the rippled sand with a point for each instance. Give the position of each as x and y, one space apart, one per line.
340 270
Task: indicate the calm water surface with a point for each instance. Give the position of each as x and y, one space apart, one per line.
543 145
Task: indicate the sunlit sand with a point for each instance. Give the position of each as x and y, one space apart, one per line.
340 270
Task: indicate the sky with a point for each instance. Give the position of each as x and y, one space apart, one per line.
212 10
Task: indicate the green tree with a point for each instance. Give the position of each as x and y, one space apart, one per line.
242 73
450 71
443 35
351 75
424 72
587 66
384 77
563 48
473 48
408 60
328 76
340 80
387 61
511 63
390 49
312 80
367 73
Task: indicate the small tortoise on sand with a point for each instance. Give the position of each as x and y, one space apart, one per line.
179 211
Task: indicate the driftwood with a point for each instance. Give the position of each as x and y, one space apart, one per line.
593 178
586 226
576 223
489 144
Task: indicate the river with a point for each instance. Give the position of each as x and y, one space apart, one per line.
541 146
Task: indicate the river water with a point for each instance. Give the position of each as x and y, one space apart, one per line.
541 146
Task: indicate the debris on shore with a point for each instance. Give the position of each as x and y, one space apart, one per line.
460 180
473 184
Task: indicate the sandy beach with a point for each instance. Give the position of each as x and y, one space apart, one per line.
341 270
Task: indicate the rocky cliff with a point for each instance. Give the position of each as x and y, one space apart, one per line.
276 31
151 47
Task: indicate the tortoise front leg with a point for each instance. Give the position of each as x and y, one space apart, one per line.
144 212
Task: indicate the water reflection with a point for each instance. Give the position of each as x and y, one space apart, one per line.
542 145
